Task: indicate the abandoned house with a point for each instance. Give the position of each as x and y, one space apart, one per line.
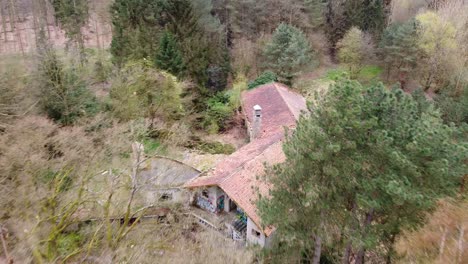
162 179
225 197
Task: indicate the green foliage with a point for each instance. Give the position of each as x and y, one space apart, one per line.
48 177
216 148
336 74
169 57
152 146
73 16
13 89
366 163
288 52
142 91
64 95
453 106
68 243
315 9
218 112
369 73
438 44
134 34
182 35
217 77
399 48
369 15
340 16
250 19
265 77
240 84
353 50
102 67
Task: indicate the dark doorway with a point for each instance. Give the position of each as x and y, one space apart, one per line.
232 205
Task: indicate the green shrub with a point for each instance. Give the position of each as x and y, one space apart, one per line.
101 71
48 177
453 105
141 91
64 95
265 77
336 74
216 148
218 112
240 84
369 73
68 243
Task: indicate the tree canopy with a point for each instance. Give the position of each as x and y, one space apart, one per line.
364 164
353 49
287 53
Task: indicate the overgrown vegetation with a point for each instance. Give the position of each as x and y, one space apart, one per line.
265 77
375 173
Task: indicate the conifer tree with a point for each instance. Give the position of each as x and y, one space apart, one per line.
287 53
363 165
169 57
64 96
399 49
135 29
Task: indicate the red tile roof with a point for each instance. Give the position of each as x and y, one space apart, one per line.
280 107
237 174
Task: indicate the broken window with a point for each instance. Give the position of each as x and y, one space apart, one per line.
165 197
205 194
255 233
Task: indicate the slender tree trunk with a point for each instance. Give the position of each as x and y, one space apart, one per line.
346 254
460 243
4 23
317 250
34 10
12 20
442 242
362 251
3 233
391 251
45 17
96 28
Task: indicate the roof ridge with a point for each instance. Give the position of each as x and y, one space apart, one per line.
277 87
241 166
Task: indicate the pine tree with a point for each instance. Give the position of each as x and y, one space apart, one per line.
399 49
198 35
363 165
64 96
135 29
287 53
169 57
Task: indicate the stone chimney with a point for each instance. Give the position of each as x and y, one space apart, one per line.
256 123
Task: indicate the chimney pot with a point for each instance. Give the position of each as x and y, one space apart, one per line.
257 122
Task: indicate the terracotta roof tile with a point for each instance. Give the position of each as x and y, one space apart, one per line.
280 107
